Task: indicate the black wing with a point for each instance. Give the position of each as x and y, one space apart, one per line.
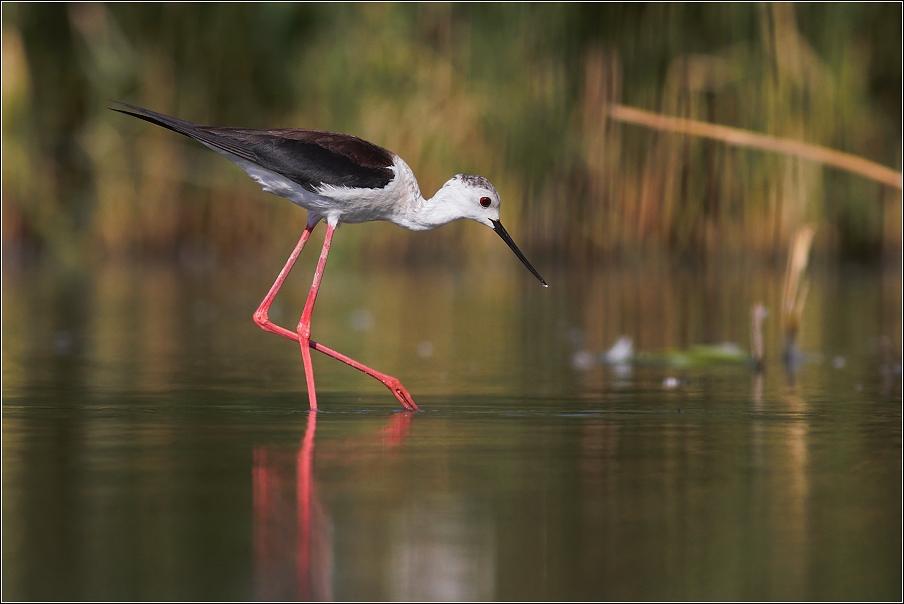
307 157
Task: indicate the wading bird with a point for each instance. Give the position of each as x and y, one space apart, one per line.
339 178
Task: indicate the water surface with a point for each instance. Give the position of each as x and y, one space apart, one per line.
157 444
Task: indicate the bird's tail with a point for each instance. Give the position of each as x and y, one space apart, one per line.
202 134
170 123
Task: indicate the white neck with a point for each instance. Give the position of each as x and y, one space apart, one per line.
459 198
419 214
424 214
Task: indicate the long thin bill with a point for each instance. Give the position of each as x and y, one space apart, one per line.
497 226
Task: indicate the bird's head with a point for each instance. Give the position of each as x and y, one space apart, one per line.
473 197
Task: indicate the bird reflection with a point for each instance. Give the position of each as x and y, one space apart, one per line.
292 528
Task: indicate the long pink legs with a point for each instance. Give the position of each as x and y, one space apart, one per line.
260 315
302 335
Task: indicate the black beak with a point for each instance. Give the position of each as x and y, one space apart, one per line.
497 226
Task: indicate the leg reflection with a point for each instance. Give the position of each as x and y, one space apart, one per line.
304 487
293 548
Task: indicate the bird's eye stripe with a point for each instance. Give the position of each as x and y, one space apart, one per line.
485 202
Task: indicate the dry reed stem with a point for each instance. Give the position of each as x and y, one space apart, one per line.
757 350
794 292
746 138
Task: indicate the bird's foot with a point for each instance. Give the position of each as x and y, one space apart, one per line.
395 386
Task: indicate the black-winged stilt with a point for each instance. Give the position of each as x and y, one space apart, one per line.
339 178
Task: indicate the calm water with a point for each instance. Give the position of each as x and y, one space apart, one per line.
157 444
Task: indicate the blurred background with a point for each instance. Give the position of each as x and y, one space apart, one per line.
516 93
642 429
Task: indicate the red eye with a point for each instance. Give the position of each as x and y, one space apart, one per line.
485 202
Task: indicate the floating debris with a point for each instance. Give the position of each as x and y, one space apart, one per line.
621 352
697 355
619 356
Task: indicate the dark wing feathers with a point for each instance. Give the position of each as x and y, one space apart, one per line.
310 157
307 157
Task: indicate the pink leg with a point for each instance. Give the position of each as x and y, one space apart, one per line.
394 385
261 318
304 324
304 340
260 315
